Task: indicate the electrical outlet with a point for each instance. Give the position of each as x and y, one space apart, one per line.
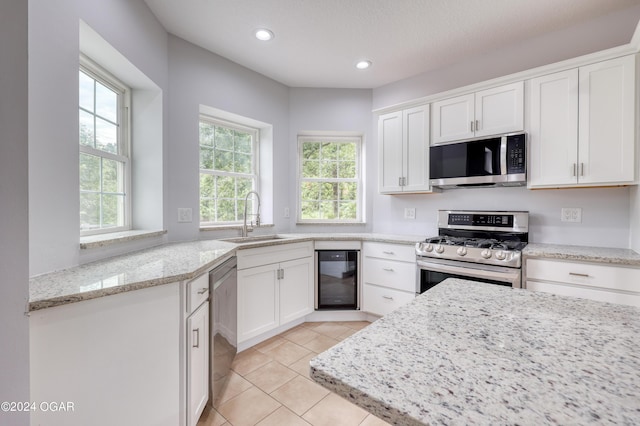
571 214
286 212
185 215
410 213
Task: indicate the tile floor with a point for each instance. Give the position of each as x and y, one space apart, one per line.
270 384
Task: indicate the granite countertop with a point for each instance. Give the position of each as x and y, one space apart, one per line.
616 256
160 265
471 353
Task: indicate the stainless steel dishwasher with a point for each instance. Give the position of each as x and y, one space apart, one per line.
223 282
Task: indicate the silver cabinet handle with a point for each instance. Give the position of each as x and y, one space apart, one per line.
387 297
388 252
388 269
581 169
472 126
575 274
197 339
203 290
477 125
574 170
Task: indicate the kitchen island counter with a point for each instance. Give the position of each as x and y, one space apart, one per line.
472 353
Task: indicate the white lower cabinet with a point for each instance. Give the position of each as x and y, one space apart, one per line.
275 286
389 275
197 347
604 283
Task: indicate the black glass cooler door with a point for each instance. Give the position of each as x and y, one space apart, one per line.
337 279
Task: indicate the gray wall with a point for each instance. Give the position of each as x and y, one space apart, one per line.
14 231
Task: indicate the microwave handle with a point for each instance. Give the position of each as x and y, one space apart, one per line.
503 155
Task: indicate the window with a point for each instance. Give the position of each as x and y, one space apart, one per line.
104 152
330 179
228 171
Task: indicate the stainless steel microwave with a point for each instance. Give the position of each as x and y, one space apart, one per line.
498 161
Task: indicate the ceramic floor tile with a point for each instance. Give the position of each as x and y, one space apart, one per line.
372 420
248 408
269 344
301 335
331 330
355 325
349 332
301 366
320 344
271 376
234 386
249 360
334 410
299 394
282 417
211 417
287 353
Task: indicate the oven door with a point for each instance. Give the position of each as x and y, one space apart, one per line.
434 271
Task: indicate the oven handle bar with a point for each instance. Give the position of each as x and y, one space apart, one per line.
510 277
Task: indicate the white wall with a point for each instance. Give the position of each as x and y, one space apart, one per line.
198 77
607 212
134 32
14 231
323 110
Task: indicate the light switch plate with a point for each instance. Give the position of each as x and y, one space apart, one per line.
185 215
571 214
410 213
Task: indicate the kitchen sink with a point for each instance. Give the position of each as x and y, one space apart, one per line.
254 238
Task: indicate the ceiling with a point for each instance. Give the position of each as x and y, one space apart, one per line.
318 42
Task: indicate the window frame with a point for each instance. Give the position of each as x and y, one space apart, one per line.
98 73
255 164
339 137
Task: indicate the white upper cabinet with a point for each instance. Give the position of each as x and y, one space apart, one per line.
487 112
581 126
403 138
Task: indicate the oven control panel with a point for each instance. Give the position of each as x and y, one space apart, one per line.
467 219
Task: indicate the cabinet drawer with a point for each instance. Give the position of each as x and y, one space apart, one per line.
597 294
197 292
249 258
381 301
400 252
389 273
584 274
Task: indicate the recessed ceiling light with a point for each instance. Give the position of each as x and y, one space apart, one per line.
264 34
363 65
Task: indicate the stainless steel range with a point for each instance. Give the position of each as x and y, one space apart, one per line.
478 245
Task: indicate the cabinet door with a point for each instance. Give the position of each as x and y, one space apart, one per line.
257 301
500 110
453 119
197 363
553 132
390 152
415 126
607 111
381 300
296 289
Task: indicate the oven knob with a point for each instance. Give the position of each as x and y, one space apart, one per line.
486 253
500 255
462 251
439 249
428 248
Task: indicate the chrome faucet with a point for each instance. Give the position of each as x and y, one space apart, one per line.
246 229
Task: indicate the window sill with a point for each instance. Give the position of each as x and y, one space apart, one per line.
101 240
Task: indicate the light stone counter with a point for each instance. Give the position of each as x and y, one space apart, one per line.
615 256
471 353
160 265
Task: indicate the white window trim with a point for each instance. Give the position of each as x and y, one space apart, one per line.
254 161
331 137
124 139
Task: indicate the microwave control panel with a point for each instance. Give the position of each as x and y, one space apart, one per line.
516 152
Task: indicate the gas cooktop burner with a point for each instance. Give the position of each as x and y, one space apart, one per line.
489 243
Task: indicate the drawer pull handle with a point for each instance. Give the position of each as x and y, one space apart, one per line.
197 338
575 274
388 252
388 269
387 297
203 290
